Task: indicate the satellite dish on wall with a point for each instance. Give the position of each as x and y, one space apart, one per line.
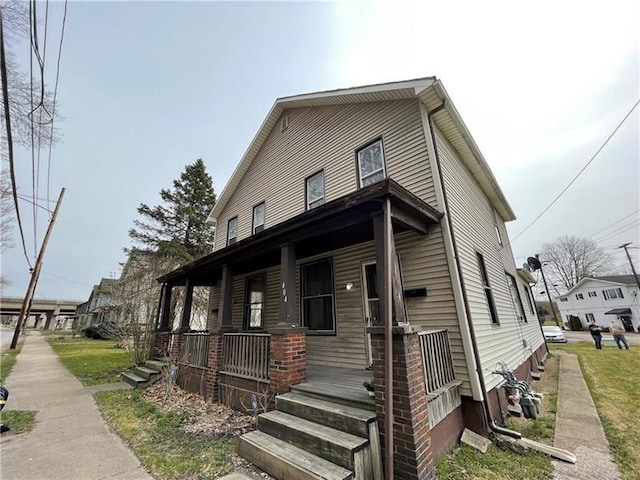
534 263
526 267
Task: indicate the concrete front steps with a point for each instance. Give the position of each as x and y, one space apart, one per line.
311 438
148 374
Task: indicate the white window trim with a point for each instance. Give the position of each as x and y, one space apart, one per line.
383 169
235 237
309 201
253 220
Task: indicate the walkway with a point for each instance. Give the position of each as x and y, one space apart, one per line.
70 439
578 428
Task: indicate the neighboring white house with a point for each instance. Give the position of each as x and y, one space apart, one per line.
603 299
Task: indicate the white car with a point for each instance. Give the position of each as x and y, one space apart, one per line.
554 335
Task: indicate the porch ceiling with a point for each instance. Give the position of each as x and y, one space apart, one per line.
337 224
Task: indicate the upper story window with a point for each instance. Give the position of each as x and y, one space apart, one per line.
564 299
498 236
232 231
315 190
488 293
317 296
593 294
371 168
254 303
284 123
515 297
579 296
258 218
612 293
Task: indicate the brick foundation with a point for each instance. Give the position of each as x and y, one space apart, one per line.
161 342
214 365
413 457
176 347
287 358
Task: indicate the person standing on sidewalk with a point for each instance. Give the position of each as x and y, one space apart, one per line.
596 333
618 335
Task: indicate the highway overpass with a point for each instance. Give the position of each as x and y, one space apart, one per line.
41 308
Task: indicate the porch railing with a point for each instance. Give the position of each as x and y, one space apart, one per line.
195 349
436 359
246 354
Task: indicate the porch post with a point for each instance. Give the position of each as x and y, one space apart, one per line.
166 308
162 335
288 295
186 311
216 337
225 312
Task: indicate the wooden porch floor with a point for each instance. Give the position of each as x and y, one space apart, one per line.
341 384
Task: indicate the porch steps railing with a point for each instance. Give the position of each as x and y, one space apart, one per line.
246 355
195 349
440 380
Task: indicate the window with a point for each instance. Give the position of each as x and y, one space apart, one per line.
529 297
612 293
284 123
315 190
593 294
563 299
498 236
579 296
487 289
317 296
258 218
232 231
254 302
371 164
515 297
590 317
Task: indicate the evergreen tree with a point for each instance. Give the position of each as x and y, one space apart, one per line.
177 228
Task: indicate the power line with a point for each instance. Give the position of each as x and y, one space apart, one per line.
55 95
614 223
579 173
25 199
7 115
618 232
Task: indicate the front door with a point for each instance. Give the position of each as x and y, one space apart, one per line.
371 303
626 323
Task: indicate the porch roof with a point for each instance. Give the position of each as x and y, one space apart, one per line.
342 222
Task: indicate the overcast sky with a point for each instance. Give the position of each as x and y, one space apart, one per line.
146 88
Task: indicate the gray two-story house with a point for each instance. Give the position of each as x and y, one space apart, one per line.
361 238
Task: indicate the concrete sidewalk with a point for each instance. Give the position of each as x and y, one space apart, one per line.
70 439
578 428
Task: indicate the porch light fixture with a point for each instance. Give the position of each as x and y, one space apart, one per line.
349 286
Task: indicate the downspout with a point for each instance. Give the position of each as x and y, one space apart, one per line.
483 387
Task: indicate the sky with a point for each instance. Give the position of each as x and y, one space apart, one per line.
146 88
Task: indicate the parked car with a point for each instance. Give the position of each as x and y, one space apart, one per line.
554 335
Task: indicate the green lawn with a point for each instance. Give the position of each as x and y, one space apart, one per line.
94 362
19 421
612 376
160 442
9 359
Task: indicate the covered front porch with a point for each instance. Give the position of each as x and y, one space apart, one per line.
257 347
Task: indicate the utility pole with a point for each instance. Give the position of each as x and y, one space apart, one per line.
633 269
26 302
553 310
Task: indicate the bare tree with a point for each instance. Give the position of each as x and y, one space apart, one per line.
569 259
135 298
6 218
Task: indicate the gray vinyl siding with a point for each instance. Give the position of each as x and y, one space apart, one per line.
423 264
327 138
473 225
